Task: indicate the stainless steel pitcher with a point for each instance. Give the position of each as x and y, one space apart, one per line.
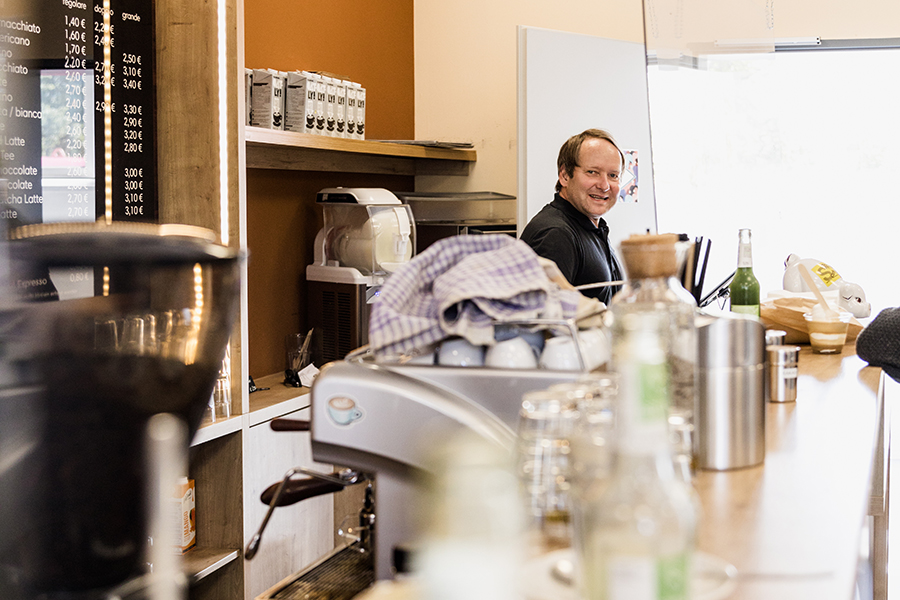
730 419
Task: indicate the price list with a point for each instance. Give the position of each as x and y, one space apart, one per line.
77 106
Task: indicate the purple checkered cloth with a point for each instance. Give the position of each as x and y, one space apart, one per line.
461 286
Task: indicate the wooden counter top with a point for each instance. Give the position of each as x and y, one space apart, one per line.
792 526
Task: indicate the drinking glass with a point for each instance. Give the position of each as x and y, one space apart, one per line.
546 422
133 335
106 335
220 402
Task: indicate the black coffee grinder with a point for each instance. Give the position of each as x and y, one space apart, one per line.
83 379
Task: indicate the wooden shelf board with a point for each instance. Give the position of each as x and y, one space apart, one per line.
200 562
276 401
273 149
209 430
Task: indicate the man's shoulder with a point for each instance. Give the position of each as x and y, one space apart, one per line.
549 217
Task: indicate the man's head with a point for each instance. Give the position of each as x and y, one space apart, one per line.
589 166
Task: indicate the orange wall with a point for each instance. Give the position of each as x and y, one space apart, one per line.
368 41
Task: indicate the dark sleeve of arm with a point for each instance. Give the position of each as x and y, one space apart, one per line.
558 245
879 343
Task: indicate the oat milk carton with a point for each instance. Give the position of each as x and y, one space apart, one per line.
351 110
267 99
300 103
330 101
360 113
278 78
340 108
261 99
321 101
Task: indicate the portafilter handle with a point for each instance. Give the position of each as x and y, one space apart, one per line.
316 484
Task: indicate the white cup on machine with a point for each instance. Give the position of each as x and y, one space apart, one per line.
560 354
460 352
514 353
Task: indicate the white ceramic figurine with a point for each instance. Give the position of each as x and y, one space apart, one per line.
851 296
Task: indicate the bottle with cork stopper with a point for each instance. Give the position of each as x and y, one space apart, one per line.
652 263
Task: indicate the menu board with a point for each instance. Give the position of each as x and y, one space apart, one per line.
77 102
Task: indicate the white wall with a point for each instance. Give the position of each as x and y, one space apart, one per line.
465 69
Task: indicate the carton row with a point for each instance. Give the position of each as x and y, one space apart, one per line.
305 102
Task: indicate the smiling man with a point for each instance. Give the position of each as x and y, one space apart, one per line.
570 230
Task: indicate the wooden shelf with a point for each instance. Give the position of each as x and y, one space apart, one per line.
212 430
200 562
276 401
272 149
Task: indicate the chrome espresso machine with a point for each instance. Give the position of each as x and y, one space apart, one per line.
383 420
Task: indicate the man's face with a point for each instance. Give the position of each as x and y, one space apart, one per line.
593 186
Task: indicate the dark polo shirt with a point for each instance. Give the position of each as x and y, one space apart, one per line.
580 250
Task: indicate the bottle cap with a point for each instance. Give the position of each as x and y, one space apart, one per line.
649 255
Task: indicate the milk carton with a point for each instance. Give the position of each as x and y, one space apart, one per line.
261 99
360 113
278 79
300 102
330 107
321 101
351 110
267 99
340 108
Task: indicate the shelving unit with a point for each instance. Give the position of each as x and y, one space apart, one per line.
232 460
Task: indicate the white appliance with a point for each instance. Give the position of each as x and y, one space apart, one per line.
368 234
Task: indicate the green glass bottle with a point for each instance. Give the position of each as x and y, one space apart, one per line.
744 288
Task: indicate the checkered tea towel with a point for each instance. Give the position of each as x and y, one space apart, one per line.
461 286
879 343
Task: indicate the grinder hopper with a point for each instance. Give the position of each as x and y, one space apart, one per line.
82 373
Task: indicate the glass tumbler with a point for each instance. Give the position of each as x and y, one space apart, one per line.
220 402
546 422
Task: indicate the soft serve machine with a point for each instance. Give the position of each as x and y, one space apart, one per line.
368 233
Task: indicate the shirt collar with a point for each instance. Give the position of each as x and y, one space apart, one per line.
579 217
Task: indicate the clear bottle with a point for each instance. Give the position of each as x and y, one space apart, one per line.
652 262
639 534
744 288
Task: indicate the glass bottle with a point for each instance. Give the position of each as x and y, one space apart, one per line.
744 288
638 535
652 263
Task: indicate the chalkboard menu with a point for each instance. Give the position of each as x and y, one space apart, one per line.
77 101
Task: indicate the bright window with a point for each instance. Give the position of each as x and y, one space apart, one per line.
801 147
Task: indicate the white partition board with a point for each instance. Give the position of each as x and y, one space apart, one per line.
570 82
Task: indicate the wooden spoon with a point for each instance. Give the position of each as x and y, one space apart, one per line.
807 277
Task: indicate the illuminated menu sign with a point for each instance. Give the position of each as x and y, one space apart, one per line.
77 104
